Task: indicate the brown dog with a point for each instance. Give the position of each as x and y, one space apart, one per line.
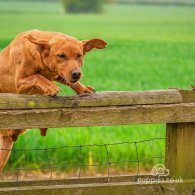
30 64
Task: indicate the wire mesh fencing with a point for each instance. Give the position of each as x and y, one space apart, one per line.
100 156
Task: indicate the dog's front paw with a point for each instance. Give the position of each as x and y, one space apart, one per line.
89 89
80 88
52 90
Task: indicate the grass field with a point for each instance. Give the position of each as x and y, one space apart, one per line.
149 47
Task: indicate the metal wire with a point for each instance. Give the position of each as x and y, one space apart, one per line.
49 165
80 156
108 162
80 165
137 158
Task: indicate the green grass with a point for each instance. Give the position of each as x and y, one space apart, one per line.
149 47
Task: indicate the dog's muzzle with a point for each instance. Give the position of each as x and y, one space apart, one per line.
76 75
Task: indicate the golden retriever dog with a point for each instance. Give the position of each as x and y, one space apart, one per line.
32 62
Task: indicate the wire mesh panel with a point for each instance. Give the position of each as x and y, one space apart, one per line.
132 162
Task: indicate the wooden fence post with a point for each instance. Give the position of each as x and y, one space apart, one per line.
180 150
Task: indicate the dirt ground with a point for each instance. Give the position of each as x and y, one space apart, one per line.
45 175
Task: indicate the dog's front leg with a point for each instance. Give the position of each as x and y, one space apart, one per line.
37 83
6 146
78 87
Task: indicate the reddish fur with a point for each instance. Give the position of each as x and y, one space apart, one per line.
30 64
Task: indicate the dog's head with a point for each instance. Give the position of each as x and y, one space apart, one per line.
63 55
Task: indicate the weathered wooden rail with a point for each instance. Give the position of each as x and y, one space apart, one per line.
174 107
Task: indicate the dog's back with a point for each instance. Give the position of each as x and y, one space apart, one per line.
14 52
7 84
7 66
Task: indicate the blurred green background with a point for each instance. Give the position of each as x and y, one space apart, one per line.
151 45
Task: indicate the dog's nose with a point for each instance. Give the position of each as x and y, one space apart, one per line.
76 74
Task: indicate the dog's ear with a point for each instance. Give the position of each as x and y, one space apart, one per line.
88 45
42 45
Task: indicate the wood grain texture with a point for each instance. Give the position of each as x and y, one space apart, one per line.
182 188
14 101
67 181
97 116
180 150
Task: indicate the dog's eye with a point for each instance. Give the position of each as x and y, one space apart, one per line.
78 56
62 56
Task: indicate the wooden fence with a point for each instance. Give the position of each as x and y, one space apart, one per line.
174 107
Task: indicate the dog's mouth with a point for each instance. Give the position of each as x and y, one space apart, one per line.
73 81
